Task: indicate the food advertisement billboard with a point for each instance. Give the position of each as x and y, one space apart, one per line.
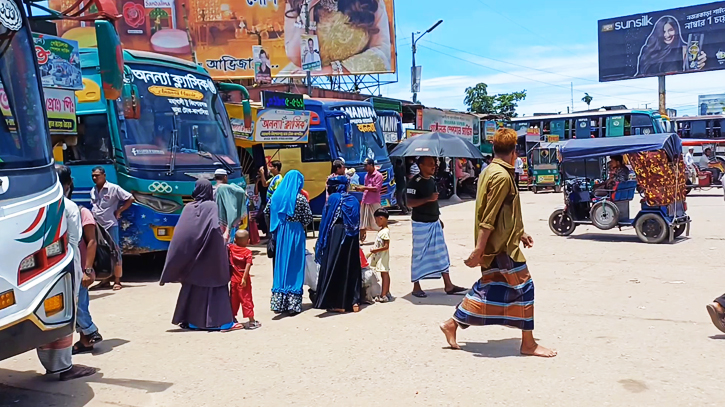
681 40
351 37
445 121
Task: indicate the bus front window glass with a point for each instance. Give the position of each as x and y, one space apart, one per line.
641 124
24 141
316 149
94 142
362 144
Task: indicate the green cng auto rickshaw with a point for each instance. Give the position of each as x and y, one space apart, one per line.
545 167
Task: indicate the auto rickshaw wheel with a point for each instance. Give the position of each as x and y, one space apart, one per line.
679 230
561 223
534 189
651 228
604 215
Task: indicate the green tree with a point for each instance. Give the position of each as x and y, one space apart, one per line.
479 101
587 99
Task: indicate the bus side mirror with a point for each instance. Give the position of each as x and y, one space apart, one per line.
110 59
247 111
348 135
131 101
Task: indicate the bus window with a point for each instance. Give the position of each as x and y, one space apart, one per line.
716 128
94 142
316 150
698 129
567 129
640 124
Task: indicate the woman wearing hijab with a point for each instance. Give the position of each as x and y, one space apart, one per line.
289 213
197 259
338 250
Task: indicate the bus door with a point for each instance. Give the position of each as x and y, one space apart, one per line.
582 128
615 126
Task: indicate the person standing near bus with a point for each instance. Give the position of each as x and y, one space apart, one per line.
518 170
109 202
370 199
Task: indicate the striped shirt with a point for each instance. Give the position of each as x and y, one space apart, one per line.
273 184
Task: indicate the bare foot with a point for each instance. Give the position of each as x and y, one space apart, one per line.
537 350
355 308
449 330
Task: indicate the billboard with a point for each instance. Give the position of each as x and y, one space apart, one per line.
711 104
681 40
446 121
349 37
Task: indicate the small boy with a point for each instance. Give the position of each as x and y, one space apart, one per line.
240 260
380 254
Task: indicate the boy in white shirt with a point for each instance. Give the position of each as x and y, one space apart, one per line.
380 254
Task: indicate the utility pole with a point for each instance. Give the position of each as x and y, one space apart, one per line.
662 92
572 96
307 31
414 68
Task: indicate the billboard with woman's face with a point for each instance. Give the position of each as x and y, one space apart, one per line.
682 40
354 37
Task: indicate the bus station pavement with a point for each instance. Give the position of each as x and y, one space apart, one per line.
627 318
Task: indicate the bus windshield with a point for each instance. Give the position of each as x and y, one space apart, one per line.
180 112
24 141
366 142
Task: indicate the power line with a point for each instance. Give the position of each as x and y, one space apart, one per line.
542 70
524 77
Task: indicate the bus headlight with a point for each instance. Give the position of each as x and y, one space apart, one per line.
157 204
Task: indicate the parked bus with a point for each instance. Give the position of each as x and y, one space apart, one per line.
700 127
338 129
37 304
594 123
170 130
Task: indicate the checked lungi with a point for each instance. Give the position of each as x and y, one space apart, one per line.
430 253
503 296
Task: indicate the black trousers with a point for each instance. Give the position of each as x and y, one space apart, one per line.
721 300
402 196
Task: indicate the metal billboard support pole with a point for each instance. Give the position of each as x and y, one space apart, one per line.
307 31
662 93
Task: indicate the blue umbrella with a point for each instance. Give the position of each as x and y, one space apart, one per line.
436 145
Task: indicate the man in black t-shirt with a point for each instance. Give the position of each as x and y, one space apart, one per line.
430 254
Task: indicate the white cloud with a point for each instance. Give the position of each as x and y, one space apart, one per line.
550 91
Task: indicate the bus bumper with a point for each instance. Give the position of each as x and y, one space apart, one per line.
36 328
144 230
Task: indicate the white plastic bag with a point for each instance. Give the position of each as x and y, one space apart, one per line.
371 285
312 270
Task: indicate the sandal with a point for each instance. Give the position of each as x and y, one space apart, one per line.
382 299
253 325
456 290
420 294
117 287
78 371
80 348
94 338
234 327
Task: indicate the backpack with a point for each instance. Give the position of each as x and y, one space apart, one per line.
107 253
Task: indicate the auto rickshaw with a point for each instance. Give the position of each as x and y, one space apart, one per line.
660 180
710 171
545 167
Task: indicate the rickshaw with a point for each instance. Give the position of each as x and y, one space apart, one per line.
710 170
545 167
660 180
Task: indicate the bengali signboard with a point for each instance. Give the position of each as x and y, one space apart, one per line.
351 39
60 105
681 40
389 127
59 62
282 126
445 121
489 129
711 104
236 118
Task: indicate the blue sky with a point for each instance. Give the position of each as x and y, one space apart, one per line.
558 36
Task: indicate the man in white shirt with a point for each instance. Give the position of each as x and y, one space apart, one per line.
518 170
690 164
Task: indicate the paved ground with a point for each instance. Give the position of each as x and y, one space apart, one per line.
628 320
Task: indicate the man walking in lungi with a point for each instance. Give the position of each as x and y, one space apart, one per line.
430 254
505 293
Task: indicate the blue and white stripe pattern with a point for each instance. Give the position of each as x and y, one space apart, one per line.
430 253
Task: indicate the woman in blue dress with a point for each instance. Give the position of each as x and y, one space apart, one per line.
289 213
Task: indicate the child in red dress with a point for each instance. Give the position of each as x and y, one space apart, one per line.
240 260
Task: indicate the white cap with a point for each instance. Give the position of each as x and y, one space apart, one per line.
220 171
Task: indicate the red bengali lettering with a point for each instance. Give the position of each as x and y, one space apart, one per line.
53 104
68 105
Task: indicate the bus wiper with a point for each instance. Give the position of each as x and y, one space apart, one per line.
208 154
174 145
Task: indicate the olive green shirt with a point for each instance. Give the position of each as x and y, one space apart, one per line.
498 208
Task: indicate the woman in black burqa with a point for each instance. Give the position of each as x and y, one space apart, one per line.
197 258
